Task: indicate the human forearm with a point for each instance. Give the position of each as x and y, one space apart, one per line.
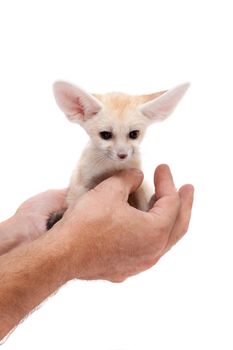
39 269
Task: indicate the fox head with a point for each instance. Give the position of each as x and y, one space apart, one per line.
116 122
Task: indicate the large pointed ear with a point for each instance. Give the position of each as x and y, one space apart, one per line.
77 104
161 107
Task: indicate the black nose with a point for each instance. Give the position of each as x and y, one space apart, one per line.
122 155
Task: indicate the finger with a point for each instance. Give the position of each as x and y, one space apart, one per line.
167 206
152 201
59 195
55 199
62 196
182 223
163 181
124 182
165 212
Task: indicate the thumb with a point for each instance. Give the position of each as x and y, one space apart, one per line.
122 183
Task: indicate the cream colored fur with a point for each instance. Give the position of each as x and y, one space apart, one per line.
118 114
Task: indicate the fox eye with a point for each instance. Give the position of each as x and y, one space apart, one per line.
106 135
134 134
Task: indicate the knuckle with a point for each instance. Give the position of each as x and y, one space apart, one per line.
117 279
95 190
175 198
162 240
185 228
149 263
158 237
163 229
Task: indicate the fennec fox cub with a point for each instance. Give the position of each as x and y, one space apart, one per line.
116 124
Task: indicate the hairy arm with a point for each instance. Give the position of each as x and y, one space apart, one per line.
28 275
30 219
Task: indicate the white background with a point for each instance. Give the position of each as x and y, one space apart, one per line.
185 301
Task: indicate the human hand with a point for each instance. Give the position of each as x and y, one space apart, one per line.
35 212
30 219
108 239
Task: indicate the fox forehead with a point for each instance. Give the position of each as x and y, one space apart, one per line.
117 105
123 104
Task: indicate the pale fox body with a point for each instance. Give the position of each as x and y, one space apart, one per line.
116 124
93 168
